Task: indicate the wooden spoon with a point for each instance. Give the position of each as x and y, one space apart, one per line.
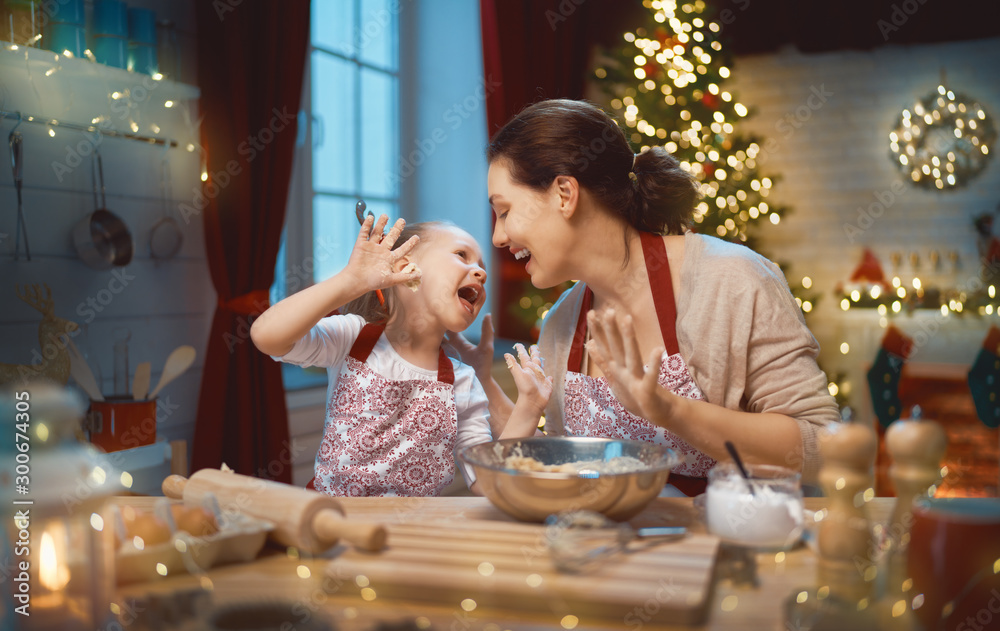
140 381
179 360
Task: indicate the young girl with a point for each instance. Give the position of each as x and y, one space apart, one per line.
398 407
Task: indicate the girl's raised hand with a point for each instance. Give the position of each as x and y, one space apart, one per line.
373 260
533 387
479 356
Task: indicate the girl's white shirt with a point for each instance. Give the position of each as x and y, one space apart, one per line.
328 344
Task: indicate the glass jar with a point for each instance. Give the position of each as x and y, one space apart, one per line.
57 515
770 517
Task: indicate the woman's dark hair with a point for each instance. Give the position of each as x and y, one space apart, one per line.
577 138
368 305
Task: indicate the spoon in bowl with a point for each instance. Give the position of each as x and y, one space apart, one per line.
731 448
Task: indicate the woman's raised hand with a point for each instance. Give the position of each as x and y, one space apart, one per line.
636 386
373 261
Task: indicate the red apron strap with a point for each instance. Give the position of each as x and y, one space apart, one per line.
446 372
369 335
687 485
662 287
575 362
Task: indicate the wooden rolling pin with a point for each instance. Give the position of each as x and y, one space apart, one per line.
307 520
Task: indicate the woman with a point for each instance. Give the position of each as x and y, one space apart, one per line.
729 356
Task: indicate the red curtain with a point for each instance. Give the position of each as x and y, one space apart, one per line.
251 60
535 49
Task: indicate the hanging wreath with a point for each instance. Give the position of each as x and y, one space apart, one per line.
943 141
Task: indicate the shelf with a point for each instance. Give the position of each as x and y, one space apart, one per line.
61 91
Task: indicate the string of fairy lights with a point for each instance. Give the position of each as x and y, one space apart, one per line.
899 297
680 66
127 103
944 141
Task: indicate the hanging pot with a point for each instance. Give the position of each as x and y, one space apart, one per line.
165 238
101 238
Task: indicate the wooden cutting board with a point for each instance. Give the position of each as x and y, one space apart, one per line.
506 566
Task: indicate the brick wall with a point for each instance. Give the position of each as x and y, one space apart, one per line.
829 116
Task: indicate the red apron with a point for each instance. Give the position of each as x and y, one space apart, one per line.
591 409
385 437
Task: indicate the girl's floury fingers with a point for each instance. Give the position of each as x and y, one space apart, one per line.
510 361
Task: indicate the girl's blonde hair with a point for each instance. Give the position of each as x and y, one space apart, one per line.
368 305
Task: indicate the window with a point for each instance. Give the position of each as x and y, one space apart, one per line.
355 88
394 98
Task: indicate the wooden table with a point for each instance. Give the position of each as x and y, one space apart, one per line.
733 605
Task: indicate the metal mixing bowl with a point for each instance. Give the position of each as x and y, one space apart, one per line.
534 495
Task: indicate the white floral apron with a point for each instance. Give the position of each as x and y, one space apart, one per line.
385 437
590 407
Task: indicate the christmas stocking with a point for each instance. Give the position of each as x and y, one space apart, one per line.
984 379
883 378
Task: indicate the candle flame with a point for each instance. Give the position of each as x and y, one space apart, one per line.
52 575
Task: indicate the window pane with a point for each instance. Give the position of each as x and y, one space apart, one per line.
334 155
279 288
335 228
379 134
333 26
376 35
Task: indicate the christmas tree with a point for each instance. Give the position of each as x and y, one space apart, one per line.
667 83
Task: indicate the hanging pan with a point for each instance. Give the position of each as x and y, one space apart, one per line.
101 238
165 238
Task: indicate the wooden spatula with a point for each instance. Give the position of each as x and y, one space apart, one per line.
179 360
140 382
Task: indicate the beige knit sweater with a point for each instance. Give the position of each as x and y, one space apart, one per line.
741 333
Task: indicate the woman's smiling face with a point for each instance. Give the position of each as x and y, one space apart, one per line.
528 223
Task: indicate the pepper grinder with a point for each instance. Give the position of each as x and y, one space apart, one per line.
847 566
916 447
844 534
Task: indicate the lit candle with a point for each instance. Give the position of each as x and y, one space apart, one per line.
50 608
